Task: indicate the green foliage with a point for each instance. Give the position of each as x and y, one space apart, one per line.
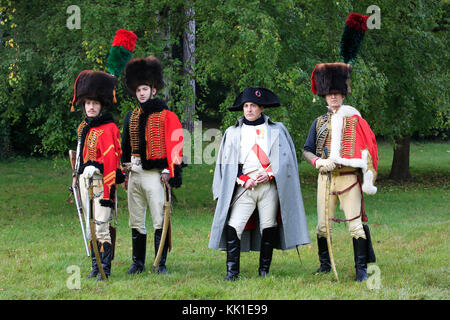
399 78
410 52
42 58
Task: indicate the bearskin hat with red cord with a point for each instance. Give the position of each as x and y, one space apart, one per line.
331 78
144 71
95 85
335 77
99 85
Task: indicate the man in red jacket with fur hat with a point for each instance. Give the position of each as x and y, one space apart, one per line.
341 142
152 145
98 157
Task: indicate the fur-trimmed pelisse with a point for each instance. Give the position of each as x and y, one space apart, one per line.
331 78
96 85
140 71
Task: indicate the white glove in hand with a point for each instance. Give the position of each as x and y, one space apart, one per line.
89 172
127 166
325 165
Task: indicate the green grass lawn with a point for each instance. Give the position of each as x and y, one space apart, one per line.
40 240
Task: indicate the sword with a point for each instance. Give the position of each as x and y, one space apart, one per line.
240 195
113 230
327 221
76 195
166 225
91 215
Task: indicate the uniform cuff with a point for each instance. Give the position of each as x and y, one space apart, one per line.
242 179
313 161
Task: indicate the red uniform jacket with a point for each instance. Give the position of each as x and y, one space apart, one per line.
100 147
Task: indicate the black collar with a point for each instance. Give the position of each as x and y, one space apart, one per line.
99 120
257 122
153 105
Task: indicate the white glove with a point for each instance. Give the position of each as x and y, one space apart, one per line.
89 172
127 166
325 165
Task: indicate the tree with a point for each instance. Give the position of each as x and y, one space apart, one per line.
189 63
399 83
410 51
42 58
399 79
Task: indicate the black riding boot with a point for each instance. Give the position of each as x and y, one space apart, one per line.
95 270
360 252
162 263
265 255
233 253
139 242
324 256
106 257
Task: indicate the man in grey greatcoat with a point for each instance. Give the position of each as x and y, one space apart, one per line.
257 185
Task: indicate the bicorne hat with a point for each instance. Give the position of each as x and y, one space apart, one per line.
260 96
144 71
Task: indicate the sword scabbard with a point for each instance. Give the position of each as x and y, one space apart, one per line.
327 224
92 227
166 224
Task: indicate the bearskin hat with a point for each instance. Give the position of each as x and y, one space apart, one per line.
95 85
140 71
331 78
260 96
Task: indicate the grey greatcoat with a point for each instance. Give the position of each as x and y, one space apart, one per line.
293 229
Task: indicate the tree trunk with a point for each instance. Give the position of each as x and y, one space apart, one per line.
189 62
400 162
164 31
6 149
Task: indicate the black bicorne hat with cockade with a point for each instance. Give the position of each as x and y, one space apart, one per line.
260 96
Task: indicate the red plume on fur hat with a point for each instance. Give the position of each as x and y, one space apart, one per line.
335 77
140 71
100 85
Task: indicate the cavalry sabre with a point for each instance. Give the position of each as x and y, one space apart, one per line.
166 225
327 224
75 189
92 226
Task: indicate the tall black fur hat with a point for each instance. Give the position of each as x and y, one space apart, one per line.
95 85
331 78
140 71
260 96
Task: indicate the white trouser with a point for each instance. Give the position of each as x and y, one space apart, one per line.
145 189
102 215
350 203
264 197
